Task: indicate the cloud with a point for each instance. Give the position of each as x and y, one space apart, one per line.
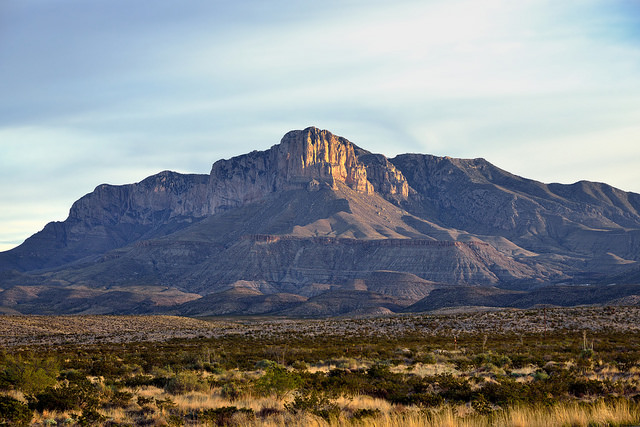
113 91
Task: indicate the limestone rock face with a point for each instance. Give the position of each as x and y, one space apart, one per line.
157 198
314 153
301 158
386 179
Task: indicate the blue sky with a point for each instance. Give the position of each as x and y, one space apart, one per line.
111 91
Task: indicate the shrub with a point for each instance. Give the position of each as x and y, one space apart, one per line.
230 391
72 396
31 375
268 411
452 388
184 382
315 403
265 364
481 405
540 375
90 417
300 365
277 380
165 404
13 412
418 399
144 401
506 392
582 388
120 399
175 421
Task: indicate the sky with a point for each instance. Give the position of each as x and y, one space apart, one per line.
112 91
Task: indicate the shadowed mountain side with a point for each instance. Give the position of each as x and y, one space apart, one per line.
52 299
585 218
556 295
346 302
567 296
239 301
481 296
111 217
405 286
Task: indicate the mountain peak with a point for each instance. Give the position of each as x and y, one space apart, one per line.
318 154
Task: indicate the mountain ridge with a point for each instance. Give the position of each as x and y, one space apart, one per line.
317 214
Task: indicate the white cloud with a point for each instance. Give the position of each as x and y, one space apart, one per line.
111 91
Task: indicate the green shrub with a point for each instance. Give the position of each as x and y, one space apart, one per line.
31 375
452 388
418 399
300 365
184 382
144 401
165 404
231 390
481 405
265 364
540 376
277 380
175 421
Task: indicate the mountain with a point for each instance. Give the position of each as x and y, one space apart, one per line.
319 226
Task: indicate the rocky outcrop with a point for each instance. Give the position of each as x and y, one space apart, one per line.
386 179
303 159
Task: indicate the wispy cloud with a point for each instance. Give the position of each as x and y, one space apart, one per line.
112 91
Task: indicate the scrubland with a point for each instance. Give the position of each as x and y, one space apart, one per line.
553 367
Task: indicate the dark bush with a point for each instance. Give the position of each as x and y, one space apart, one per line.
452 388
365 413
506 392
315 403
13 412
223 416
120 399
481 405
267 412
580 388
68 397
90 417
231 390
418 399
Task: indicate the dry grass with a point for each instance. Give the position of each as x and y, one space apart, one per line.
568 414
599 414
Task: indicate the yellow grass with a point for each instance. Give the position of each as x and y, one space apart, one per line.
568 414
599 414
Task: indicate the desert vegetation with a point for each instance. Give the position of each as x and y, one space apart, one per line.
551 367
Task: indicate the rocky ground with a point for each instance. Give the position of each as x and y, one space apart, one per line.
57 330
